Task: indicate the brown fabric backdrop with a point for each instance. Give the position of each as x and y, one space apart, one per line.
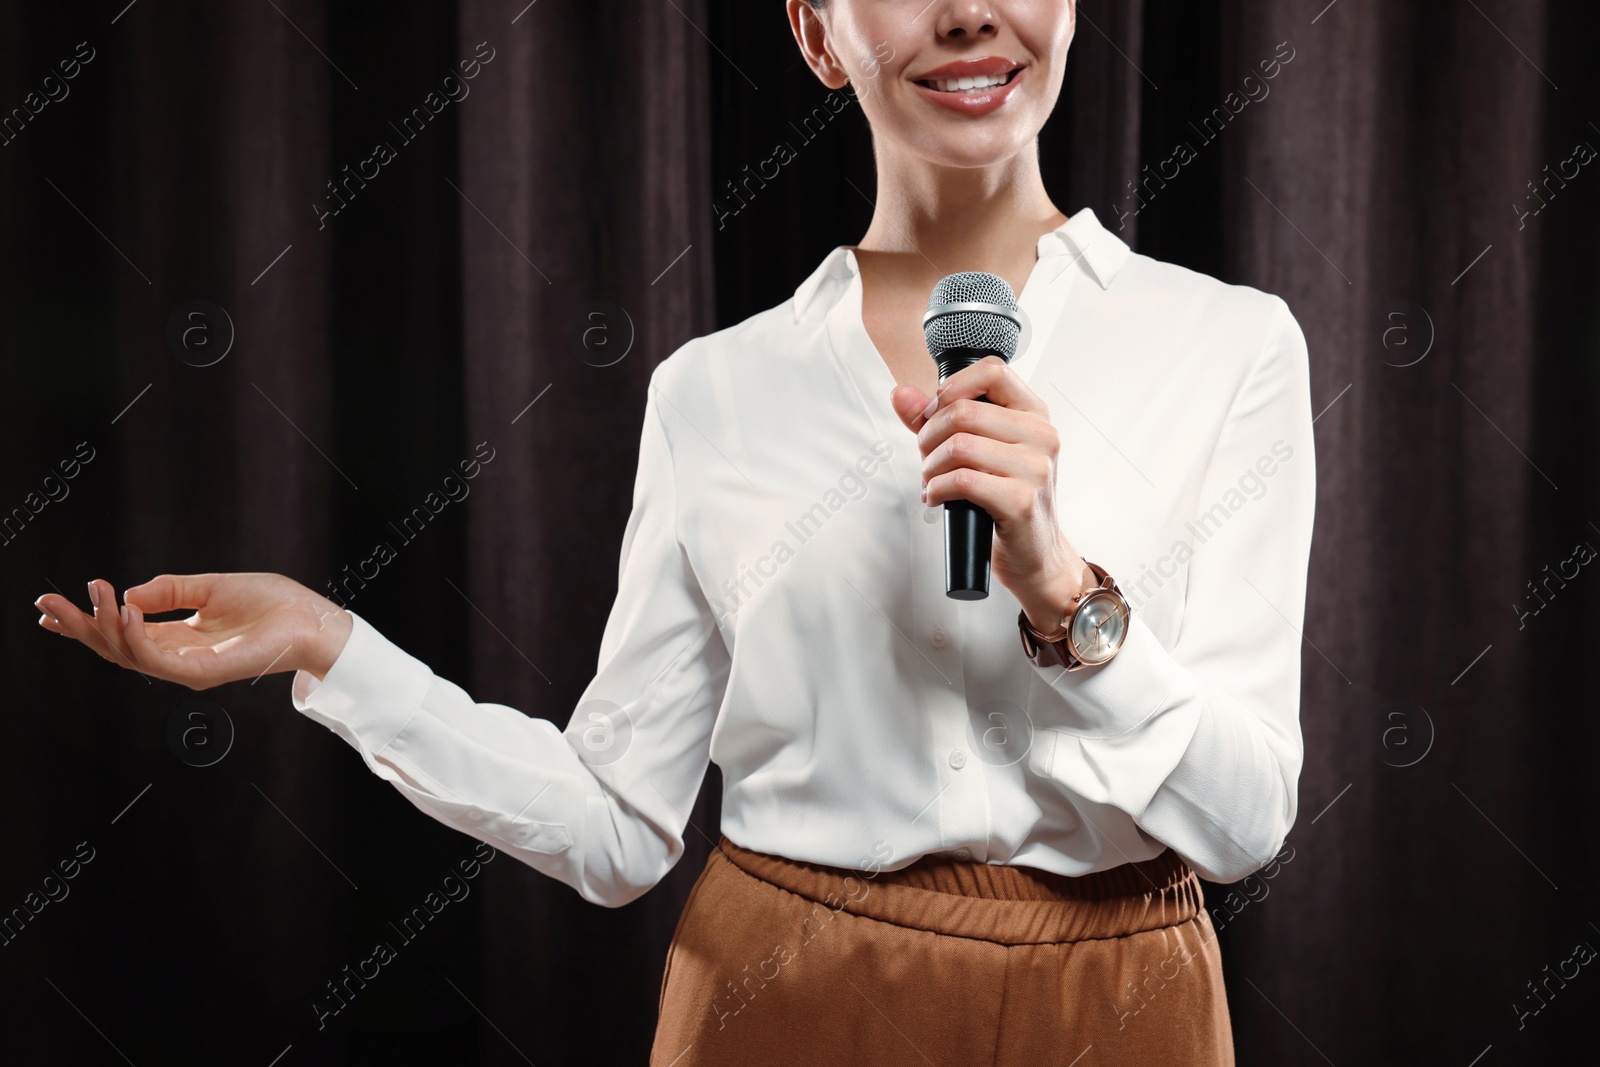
1441 857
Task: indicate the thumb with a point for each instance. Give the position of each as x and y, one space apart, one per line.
909 402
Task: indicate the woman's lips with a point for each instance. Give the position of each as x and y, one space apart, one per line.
973 101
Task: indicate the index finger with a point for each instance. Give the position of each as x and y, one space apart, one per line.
993 378
171 592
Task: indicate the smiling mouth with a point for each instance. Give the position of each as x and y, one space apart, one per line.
976 84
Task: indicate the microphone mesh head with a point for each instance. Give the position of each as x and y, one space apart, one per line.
984 331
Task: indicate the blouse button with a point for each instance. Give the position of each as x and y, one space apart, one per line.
963 853
475 815
958 758
937 638
930 515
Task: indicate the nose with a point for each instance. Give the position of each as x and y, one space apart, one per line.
968 18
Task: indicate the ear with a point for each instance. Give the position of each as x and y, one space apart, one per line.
812 36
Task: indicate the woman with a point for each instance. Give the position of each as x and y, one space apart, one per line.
956 831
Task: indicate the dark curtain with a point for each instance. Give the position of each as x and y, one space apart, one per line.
1408 179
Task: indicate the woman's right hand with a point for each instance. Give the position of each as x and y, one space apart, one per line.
243 626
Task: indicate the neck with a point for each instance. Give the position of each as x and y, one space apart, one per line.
960 218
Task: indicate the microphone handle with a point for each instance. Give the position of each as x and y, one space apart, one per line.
968 543
968 528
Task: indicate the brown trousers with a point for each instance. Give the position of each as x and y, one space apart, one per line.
952 962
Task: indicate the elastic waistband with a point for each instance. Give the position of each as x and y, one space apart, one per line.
1005 904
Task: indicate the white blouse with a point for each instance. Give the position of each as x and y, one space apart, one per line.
781 609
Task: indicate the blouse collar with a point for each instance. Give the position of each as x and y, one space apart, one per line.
1100 251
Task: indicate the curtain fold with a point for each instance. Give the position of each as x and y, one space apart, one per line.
586 260
1370 192
1105 84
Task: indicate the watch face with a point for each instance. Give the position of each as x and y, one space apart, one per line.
1098 627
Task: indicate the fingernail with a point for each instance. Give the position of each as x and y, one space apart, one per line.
123 611
933 405
36 602
94 595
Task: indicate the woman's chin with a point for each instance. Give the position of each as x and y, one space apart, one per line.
952 140
971 150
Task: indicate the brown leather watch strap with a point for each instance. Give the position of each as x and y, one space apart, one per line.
1049 650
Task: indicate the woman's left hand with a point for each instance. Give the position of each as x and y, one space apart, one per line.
1000 455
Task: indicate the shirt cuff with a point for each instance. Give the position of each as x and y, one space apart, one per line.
1120 730
1121 695
370 694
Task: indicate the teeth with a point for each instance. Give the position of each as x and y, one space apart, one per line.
961 85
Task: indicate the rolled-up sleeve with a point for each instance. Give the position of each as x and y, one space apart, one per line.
1200 742
603 804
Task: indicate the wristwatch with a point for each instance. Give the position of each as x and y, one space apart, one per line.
1092 629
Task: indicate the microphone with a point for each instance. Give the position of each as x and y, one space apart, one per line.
970 315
